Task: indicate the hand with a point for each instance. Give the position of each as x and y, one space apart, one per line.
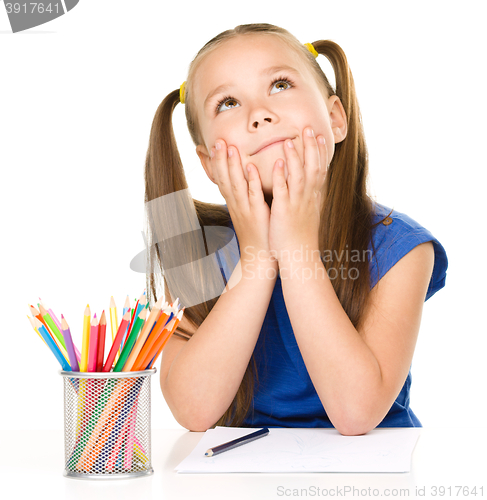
245 201
296 204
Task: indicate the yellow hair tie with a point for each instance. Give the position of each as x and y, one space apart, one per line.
310 47
182 93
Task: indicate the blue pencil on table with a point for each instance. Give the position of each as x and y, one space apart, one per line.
237 442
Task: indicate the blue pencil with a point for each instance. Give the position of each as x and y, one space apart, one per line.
52 345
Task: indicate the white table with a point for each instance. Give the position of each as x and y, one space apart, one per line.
31 467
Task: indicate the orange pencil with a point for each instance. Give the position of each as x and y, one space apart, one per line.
142 336
160 341
101 342
37 315
163 342
156 331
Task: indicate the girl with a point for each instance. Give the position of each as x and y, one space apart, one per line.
318 322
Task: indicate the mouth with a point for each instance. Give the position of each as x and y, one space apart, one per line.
272 143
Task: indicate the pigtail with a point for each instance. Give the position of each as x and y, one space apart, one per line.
347 208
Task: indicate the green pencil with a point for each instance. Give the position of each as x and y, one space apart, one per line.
130 341
54 329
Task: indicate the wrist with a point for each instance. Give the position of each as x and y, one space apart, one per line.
301 255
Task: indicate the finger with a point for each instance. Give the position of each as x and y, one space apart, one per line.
219 162
296 178
324 162
312 165
256 194
237 178
280 188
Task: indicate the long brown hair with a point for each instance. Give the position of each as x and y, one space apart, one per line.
346 216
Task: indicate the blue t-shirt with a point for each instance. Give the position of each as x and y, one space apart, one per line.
284 395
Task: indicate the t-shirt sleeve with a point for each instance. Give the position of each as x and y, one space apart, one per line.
397 239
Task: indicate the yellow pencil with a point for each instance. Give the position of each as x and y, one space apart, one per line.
31 319
83 366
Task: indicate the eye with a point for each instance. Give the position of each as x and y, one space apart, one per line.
226 103
281 84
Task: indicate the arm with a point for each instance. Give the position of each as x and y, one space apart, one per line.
358 373
200 376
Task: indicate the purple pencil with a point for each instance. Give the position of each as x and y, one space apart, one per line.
69 344
58 324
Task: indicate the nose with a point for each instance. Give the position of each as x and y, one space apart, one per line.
261 116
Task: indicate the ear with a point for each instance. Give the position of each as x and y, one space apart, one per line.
205 160
338 119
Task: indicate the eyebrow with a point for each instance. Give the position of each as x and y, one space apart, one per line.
267 71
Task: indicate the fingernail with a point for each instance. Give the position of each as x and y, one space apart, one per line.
310 132
321 139
212 153
290 144
230 153
218 145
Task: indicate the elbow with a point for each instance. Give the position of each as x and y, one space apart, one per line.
187 415
353 429
193 424
355 425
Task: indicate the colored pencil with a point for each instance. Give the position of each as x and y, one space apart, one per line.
114 319
59 326
49 331
51 313
86 340
30 318
54 329
73 361
126 307
162 342
119 442
111 398
130 341
137 310
237 442
51 344
116 343
143 335
167 314
101 342
92 351
37 315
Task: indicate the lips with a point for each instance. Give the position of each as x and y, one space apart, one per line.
270 143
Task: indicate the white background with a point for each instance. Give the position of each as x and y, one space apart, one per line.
77 99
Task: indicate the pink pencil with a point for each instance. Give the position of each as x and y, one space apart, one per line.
93 347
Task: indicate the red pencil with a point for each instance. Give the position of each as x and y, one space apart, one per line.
92 356
101 342
116 343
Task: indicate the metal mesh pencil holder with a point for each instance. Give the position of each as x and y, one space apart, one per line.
107 424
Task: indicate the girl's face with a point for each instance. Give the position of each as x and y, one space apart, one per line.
254 91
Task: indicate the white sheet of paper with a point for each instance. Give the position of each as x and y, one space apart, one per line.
305 450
